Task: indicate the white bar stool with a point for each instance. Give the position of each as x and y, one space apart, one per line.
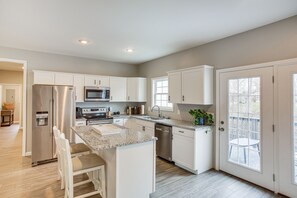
75 149
91 163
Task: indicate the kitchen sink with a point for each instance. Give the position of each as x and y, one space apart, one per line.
153 118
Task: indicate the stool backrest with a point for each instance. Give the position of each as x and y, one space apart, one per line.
57 134
67 163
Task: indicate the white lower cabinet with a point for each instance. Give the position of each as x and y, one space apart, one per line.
146 126
192 149
118 121
130 123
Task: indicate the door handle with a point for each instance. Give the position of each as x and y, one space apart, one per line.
221 129
159 129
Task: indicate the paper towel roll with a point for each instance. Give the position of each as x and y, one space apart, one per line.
142 110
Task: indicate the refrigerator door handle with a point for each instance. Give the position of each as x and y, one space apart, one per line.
51 124
54 113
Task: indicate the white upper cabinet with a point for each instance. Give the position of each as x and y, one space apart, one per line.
63 78
118 89
94 80
79 84
174 91
43 77
192 86
136 89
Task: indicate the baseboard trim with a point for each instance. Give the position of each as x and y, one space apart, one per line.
28 154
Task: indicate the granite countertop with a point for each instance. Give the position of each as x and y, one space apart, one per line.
100 142
171 122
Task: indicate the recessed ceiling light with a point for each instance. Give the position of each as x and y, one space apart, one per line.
84 42
129 50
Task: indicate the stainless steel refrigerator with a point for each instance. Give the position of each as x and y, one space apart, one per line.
51 106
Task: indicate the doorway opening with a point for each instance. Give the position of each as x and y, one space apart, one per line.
13 94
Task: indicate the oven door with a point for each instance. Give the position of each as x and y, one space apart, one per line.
97 94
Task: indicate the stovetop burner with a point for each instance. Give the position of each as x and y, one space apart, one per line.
96 115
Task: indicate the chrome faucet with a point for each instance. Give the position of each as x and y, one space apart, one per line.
159 110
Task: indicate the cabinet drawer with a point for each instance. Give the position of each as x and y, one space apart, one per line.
80 123
119 121
183 132
145 123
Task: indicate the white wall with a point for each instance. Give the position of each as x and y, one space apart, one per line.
53 62
273 42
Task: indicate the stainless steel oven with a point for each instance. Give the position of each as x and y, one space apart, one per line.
94 94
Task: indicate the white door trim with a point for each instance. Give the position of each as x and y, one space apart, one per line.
19 87
24 63
275 64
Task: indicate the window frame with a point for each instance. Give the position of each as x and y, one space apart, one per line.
153 92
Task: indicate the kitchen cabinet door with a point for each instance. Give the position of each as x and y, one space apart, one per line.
197 86
94 80
174 87
43 77
136 89
103 81
150 130
118 89
183 148
79 84
91 80
130 123
63 78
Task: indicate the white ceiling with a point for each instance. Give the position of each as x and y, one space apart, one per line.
153 28
9 66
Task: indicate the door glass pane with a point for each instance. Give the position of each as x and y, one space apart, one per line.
244 122
295 127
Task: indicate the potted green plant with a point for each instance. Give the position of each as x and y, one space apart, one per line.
201 117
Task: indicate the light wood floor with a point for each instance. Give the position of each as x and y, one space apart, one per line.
19 180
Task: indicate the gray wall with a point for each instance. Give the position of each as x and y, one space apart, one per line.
53 62
273 42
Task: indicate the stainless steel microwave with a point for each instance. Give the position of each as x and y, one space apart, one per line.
95 94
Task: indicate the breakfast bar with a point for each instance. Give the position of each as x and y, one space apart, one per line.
129 156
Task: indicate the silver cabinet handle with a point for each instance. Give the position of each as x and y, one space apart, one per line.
181 131
143 128
169 98
159 129
183 98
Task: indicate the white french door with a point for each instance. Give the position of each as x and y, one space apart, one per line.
287 127
246 120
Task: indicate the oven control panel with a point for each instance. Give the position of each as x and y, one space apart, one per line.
94 110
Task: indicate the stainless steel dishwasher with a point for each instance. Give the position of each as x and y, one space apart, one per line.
164 142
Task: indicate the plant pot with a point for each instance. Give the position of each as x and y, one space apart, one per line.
200 121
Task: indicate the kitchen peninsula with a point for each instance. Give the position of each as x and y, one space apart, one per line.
129 156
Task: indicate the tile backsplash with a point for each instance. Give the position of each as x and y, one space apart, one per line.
115 106
181 111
